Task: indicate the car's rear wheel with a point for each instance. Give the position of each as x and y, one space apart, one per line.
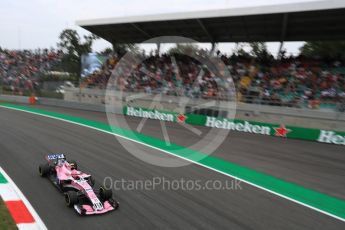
71 198
44 169
105 194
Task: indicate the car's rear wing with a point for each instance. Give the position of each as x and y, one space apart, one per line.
55 156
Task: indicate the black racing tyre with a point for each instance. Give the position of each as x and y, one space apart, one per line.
82 211
105 194
44 169
91 181
71 198
115 204
74 164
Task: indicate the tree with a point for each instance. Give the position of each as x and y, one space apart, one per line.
73 48
184 49
258 48
260 52
239 51
107 51
121 49
326 50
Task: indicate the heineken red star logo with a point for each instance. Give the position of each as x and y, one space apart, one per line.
181 118
281 131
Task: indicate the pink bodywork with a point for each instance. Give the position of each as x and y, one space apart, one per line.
79 181
64 172
90 211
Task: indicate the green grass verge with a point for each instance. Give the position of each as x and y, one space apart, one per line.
6 221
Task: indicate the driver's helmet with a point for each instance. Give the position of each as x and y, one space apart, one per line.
72 165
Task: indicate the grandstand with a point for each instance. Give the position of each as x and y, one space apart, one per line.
291 81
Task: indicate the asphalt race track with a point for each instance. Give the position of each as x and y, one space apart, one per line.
26 138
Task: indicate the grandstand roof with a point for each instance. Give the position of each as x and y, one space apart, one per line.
319 20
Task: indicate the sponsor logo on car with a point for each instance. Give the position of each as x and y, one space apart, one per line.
55 156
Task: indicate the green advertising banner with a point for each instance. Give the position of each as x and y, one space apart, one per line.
279 130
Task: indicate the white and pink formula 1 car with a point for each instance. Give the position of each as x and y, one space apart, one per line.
77 186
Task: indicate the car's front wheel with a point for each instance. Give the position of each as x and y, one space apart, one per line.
105 194
114 203
71 198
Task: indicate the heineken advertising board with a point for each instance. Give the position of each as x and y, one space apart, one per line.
325 136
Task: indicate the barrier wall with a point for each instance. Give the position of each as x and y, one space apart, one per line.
16 99
260 128
322 126
301 117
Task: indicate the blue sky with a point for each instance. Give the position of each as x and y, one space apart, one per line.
31 24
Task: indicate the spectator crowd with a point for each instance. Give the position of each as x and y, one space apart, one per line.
21 70
290 81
